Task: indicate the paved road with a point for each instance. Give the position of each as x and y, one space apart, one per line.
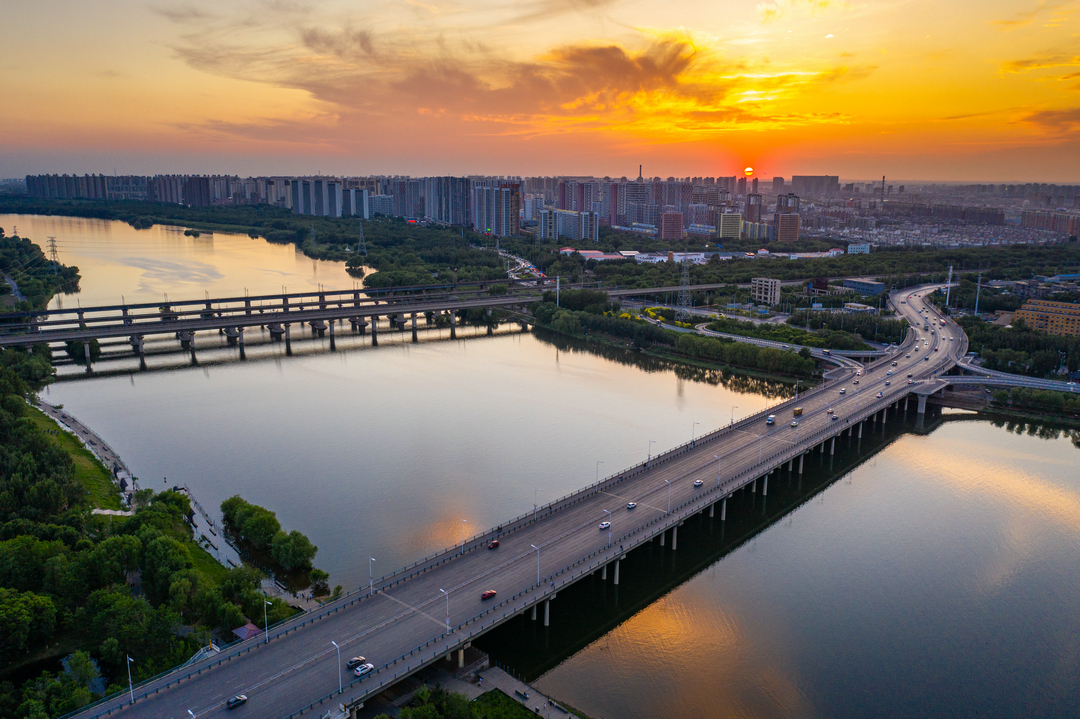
403 625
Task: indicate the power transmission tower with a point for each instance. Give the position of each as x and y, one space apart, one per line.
52 253
361 245
685 301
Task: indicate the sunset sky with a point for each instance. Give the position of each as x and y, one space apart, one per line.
911 89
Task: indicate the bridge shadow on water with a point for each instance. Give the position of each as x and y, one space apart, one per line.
591 608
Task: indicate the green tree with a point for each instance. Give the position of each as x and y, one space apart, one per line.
293 550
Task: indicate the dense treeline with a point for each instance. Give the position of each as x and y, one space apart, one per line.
869 327
437 703
98 589
259 527
962 297
1036 399
37 277
1019 348
747 356
823 338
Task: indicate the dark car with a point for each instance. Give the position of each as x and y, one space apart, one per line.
236 701
355 662
488 594
493 544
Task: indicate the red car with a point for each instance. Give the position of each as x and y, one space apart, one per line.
493 544
488 594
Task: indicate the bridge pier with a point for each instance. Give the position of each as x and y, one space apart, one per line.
906 398
288 339
712 509
765 486
922 404
860 429
884 416
832 447
333 345
414 339
86 353
547 612
789 464
675 537
753 486
453 324
534 612
617 572
849 430
801 457
461 658
374 330
723 509
663 534
240 341
603 573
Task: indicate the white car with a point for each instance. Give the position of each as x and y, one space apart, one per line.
631 505
364 669
698 483
605 525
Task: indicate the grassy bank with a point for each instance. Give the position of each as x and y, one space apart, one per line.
89 471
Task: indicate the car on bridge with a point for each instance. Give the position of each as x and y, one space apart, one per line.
879 395
843 390
364 669
236 701
771 419
605 525
355 662
631 505
493 544
488 594
698 483
794 423
887 382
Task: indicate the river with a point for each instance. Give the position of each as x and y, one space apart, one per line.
939 575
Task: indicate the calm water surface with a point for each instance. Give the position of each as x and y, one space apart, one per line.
939 577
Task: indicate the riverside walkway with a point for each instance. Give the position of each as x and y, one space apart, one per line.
433 608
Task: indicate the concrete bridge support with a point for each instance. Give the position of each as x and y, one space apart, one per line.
453 324
675 537
663 535
922 404
860 430
288 339
801 456
86 354
547 612
414 339
240 341
374 330
617 572
884 416
832 447
765 486
723 509
534 612
333 344
712 509
461 658
906 398
603 573
753 486
231 334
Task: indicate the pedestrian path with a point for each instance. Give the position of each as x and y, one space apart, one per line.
91 441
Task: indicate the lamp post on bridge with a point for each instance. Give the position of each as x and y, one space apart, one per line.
131 687
535 491
598 463
761 438
370 577
733 408
266 625
717 458
463 523
537 563
649 460
608 527
338 663
447 595
692 428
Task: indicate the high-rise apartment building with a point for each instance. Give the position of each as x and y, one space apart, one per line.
671 226
730 225
815 185
787 227
741 186
754 208
787 203
778 185
1057 318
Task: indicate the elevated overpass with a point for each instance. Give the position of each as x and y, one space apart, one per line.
433 608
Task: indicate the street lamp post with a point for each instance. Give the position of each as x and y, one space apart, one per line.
266 625
649 460
760 437
192 714
535 491
537 563
717 458
668 495
463 523
733 408
338 663
608 527
131 687
692 428
447 595
370 577
598 463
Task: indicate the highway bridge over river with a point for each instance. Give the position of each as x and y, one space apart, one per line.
433 609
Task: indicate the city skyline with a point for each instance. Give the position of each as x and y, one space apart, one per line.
909 89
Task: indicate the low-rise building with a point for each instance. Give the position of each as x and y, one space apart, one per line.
1057 318
765 290
865 286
